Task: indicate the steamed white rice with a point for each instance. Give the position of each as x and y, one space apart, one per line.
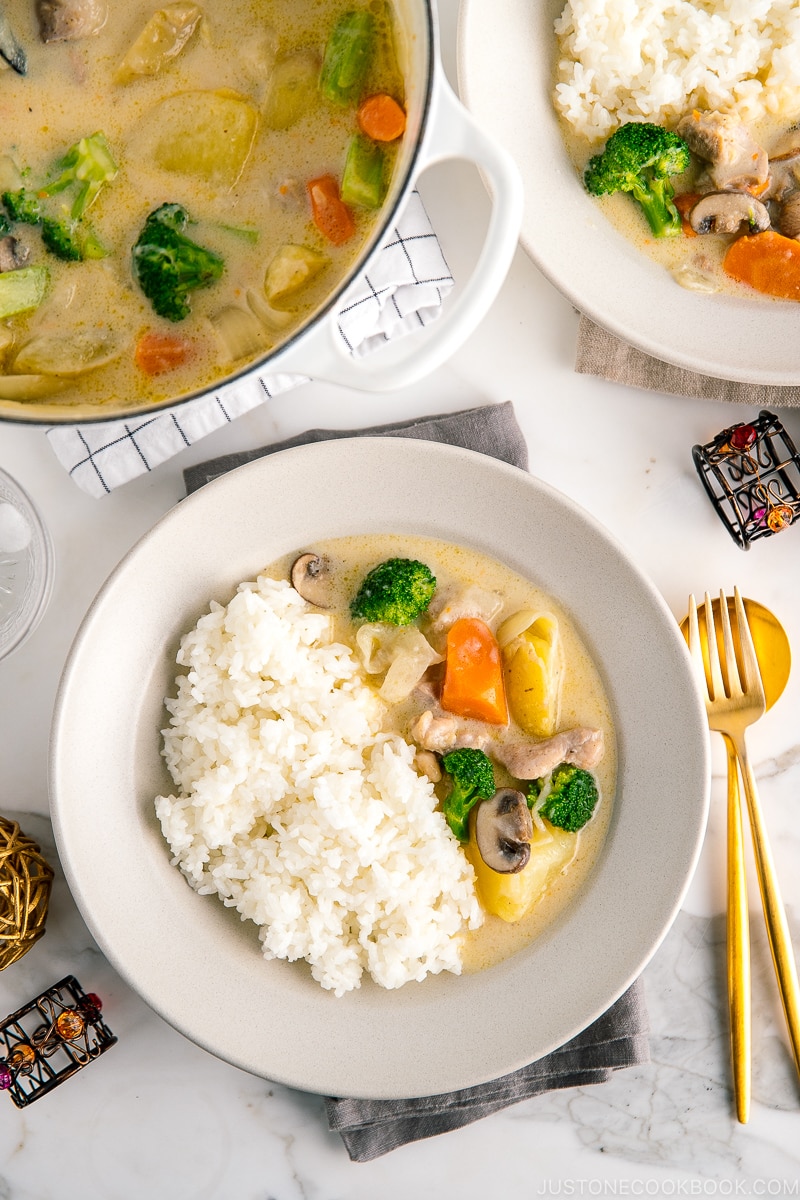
293 806
655 60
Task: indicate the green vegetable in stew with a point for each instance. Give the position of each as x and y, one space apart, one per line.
23 205
396 592
472 774
364 178
87 166
640 158
570 800
22 290
347 57
168 265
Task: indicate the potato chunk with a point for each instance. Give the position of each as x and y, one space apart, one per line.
292 90
70 353
531 647
205 134
161 40
30 387
290 270
510 897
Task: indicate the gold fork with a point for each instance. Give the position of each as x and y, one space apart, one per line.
729 712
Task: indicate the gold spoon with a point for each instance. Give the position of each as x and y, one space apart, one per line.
774 660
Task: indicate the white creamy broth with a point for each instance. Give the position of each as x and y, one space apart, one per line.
583 698
69 93
696 256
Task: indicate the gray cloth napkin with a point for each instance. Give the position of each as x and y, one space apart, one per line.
601 353
370 1128
492 430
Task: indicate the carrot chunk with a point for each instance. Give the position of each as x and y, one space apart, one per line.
381 118
768 262
331 215
473 675
685 202
159 352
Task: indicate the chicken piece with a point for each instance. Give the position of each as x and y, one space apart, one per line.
736 161
13 254
427 764
434 733
581 746
68 20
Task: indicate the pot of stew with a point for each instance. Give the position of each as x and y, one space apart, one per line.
187 192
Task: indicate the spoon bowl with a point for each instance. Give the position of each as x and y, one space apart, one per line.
771 643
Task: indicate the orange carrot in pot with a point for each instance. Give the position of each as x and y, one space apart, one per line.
473 673
159 352
381 118
685 202
768 262
331 215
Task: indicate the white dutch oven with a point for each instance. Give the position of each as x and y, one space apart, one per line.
439 128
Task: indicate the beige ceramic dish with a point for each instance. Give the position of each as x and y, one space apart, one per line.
194 961
506 78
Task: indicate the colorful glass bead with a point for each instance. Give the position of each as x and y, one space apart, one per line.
6 1078
779 517
70 1024
22 1055
742 438
90 1006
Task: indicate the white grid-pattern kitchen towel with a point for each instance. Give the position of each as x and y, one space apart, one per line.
404 288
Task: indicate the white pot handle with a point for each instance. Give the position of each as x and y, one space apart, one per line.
322 354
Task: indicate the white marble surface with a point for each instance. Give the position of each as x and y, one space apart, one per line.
159 1117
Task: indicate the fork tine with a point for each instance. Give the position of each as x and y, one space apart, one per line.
731 665
695 645
717 684
753 682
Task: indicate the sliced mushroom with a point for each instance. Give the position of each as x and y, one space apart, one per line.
68 20
13 254
11 52
784 176
503 831
311 577
724 212
790 216
787 145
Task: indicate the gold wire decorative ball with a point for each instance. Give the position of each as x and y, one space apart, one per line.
25 881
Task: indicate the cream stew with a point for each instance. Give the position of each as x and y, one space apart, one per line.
246 120
468 582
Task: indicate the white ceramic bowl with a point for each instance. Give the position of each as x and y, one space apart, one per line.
193 960
507 62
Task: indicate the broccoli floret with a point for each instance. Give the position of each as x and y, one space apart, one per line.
396 591
473 780
167 265
60 238
24 206
639 158
88 164
571 799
